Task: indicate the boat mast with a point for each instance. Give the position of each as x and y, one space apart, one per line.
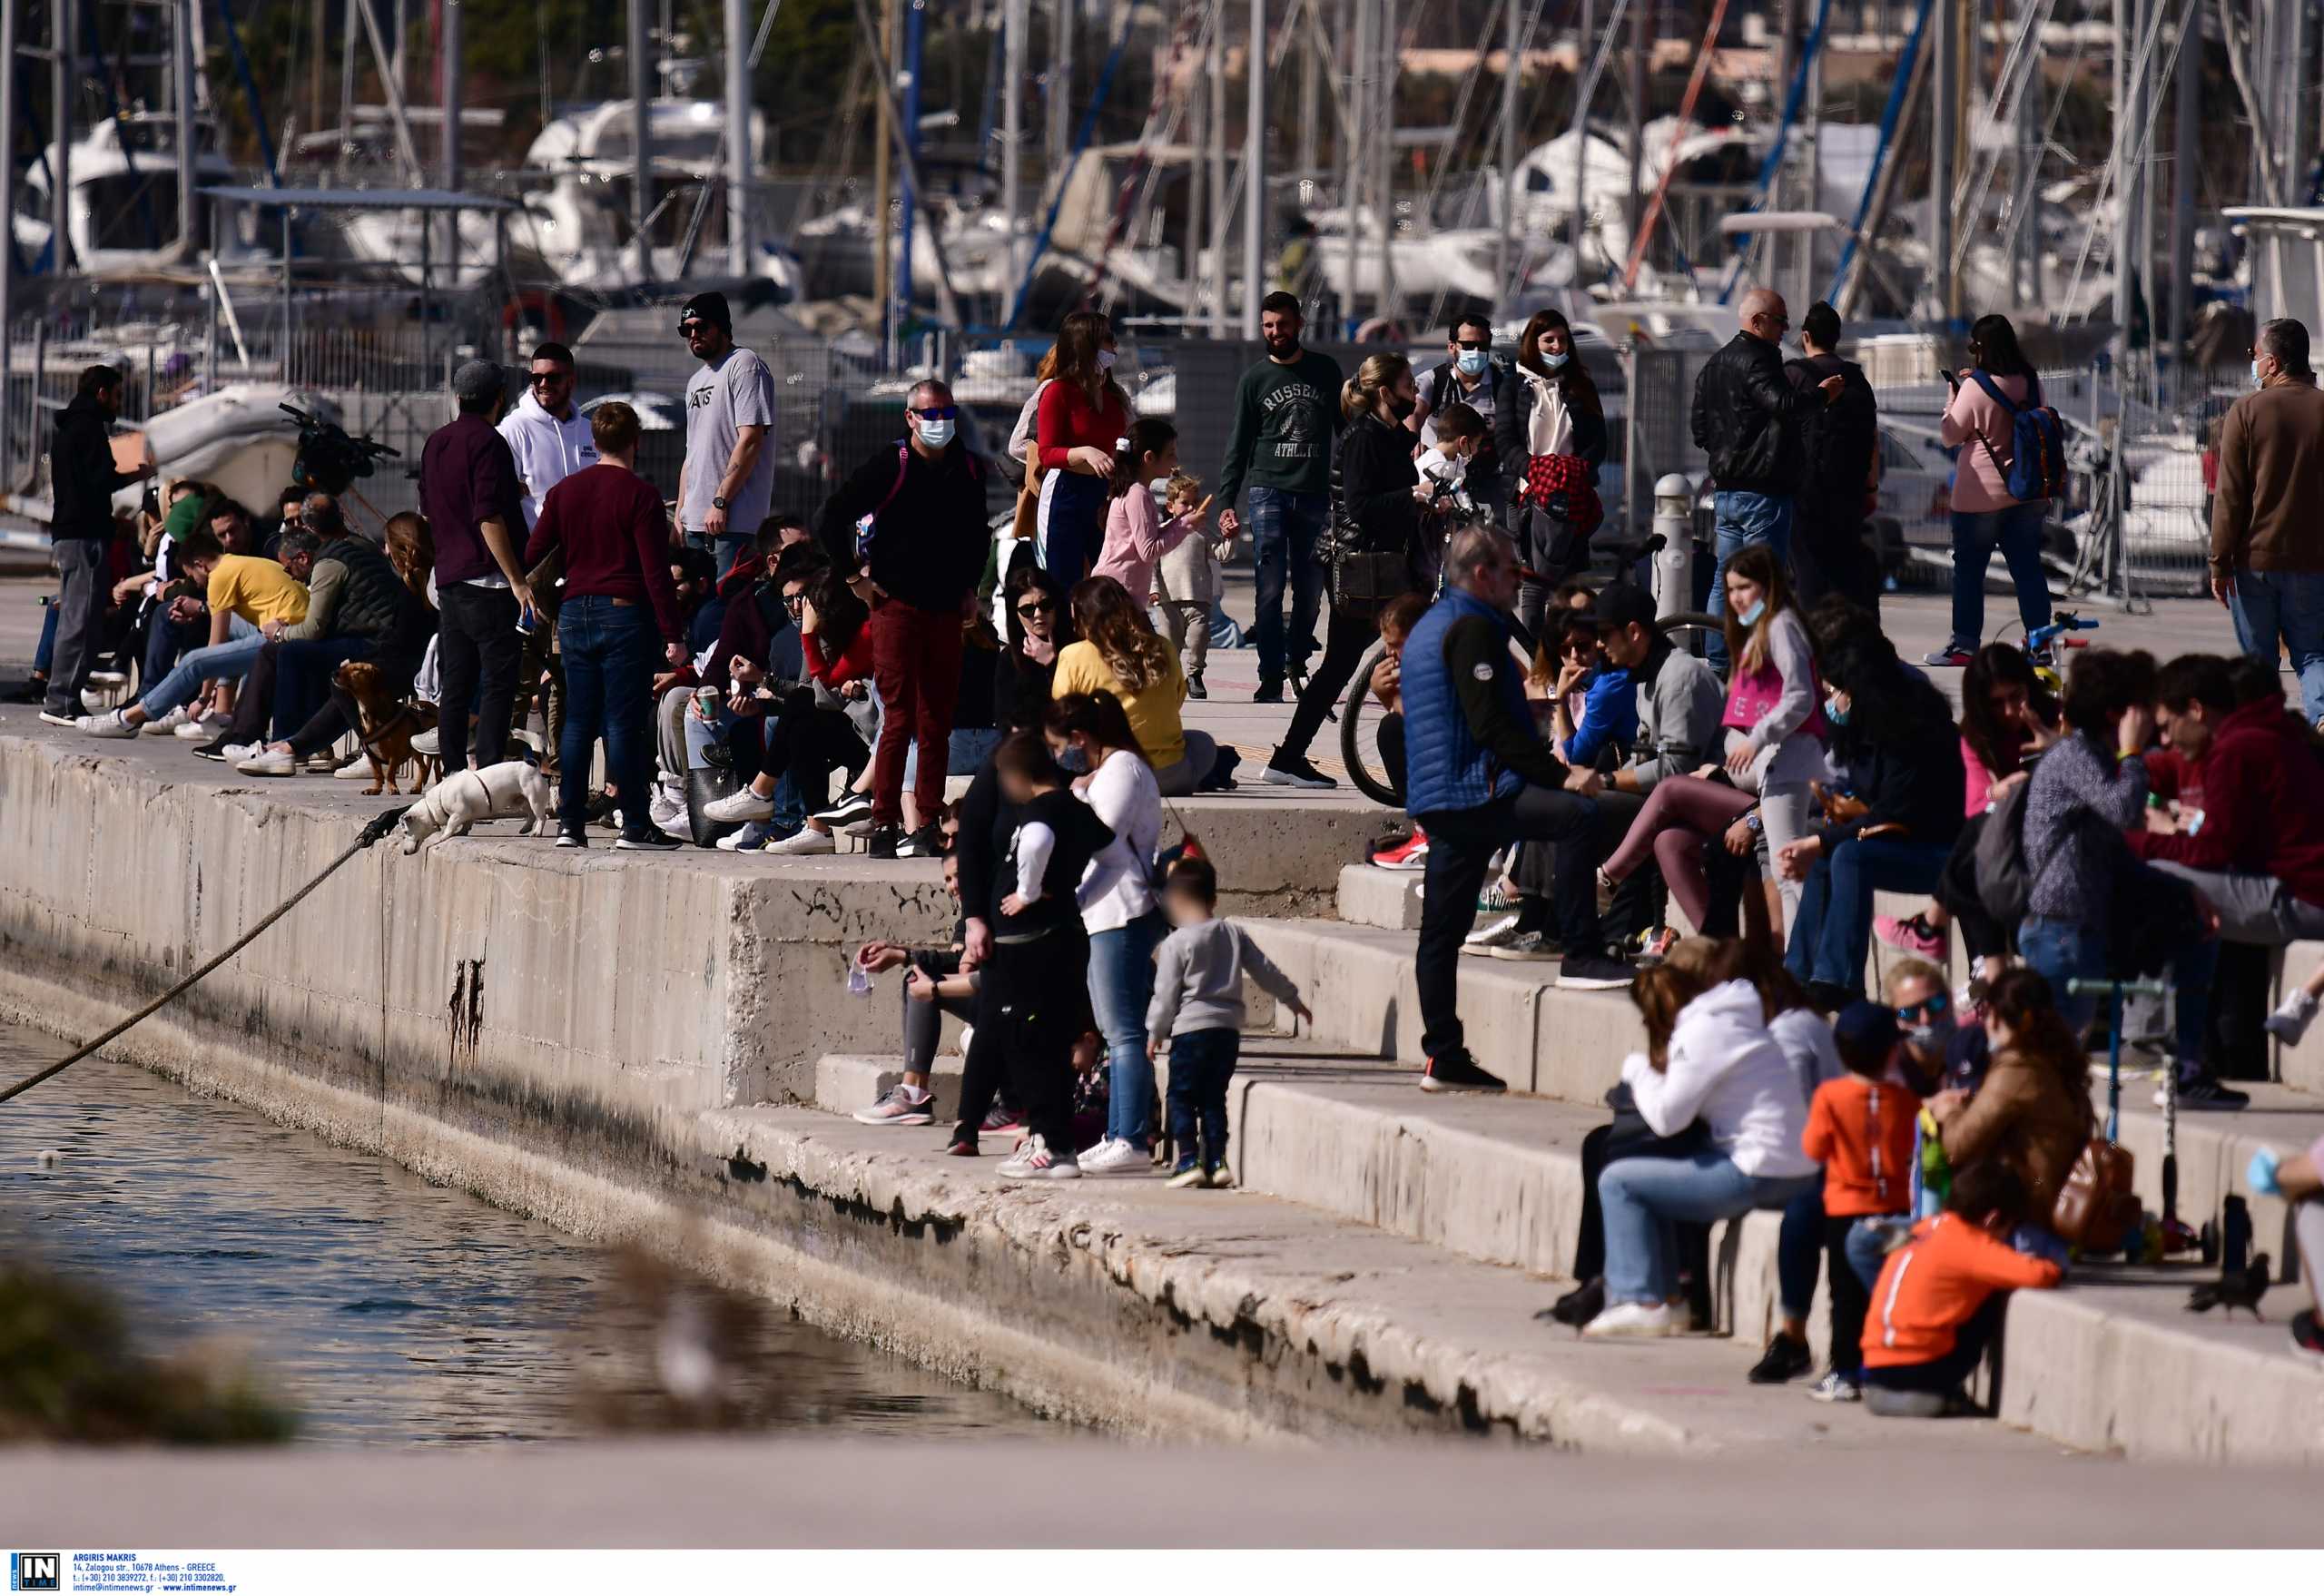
181 96
1586 82
1222 220
1359 70
1017 19
1944 97
738 153
62 75
640 53
1505 255
1255 171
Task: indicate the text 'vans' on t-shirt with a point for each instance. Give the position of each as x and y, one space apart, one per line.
724 396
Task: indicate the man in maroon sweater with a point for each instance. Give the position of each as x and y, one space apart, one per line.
2256 852
618 600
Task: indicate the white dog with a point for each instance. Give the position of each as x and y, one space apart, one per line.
507 791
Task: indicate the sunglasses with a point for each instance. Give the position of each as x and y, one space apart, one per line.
1040 606
688 329
1777 321
550 378
1926 1009
938 413
1472 344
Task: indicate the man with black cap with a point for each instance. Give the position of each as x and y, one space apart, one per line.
474 501
727 484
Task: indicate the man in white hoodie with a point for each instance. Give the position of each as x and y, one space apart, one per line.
545 431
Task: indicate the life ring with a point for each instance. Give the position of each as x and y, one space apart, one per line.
537 306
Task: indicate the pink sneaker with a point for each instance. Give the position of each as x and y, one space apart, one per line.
1913 935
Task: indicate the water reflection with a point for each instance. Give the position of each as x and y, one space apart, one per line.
388 1310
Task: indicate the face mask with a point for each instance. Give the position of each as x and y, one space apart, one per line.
936 433
1472 362
1400 408
1930 1037
1555 363
1750 617
1072 760
1105 360
2256 381
1835 711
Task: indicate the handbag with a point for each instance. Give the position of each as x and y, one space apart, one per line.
708 785
1565 487
2096 1209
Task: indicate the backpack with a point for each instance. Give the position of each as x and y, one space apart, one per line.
2005 885
2037 465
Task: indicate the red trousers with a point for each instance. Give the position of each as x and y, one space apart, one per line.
916 664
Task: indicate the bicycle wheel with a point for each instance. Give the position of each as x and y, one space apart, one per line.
1360 735
1688 630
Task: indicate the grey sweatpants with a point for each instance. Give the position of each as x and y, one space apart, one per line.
2255 909
81 593
1187 622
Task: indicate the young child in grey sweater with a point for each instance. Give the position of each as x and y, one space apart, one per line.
1198 1008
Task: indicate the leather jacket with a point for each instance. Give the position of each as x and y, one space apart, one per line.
1745 416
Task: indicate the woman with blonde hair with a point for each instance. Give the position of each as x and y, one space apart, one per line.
1121 655
1082 414
1377 546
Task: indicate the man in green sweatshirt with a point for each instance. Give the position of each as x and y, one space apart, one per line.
1286 412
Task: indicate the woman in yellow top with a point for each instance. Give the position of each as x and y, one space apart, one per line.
1120 654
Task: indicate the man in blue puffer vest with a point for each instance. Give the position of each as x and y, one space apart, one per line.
1480 777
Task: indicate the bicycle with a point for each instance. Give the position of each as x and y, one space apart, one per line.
1359 713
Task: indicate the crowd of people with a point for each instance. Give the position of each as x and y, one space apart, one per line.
1560 758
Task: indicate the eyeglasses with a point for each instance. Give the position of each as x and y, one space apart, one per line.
1926 1009
938 412
793 600
1040 606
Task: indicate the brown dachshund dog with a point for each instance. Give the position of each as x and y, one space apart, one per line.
387 725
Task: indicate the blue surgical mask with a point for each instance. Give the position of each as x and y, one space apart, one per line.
1750 617
1072 760
1472 362
2255 374
1105 360
1555 363
1835 711
1931 1037
937 434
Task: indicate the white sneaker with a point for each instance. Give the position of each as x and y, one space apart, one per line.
1631 1318
268 761
1032 1160
1116 1157
235 752
737 807
425 742
1499 933
2290 1022
109 724
900 1104
806 840
358 769
176 720
201 728
667 809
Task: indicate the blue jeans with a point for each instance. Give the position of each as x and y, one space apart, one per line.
1201 1064
2290 604
1831 935
1121 983
45 649
1799 1252
609 651
1643 1200
2064 951
1285 527
1744 518
964 755
1867 1247
229 661
727 548
2017 532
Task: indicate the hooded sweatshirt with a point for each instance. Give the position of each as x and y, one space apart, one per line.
1726 1069
2263 801
1935 1284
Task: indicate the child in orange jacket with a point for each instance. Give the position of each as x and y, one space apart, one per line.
1938 1300
1860 1128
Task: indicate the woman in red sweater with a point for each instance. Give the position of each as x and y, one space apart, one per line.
1081 415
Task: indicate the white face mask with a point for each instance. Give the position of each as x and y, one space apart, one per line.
2256 380
1555 362
937 434
1105 360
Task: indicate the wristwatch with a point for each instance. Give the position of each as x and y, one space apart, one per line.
1752 819
719 502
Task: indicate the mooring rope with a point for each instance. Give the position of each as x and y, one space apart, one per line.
379 827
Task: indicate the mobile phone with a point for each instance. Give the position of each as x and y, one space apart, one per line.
1952 378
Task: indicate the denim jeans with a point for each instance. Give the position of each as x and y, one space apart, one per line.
725 549
968 748
1799 1252
1867 1245
1644 1199
1201 1064
45 649
1744 518
229 661
2017 532
1832 933
609 651
2064 951
1285 527
2290 604
1121 983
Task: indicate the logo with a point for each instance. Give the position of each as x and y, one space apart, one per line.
35 1570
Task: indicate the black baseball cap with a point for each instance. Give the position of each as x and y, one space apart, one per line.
1622 603
709 306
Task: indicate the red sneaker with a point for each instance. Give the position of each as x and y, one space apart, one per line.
1412 853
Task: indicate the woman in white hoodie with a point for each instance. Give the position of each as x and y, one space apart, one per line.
1710 1055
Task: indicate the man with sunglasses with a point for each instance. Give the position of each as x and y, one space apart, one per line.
727 483
1469 376
910 524
1745 418
545 431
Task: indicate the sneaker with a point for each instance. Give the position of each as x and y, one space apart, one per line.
1034 1161
2305 1337
1115 1156
268 761
216 749
1952 654
900 1104
883 841
739 806
667 809
1000 1122
749 839
169 724
652 839
1412 853
1496 899
1222 1178
2290 1022
1913 934
1270 692
235 752
1785 1360
928 842
1500 932
2202 1094
325 763
962 1146
1577 1307
850 809
1296 770
201 726
805 841
112 724
1654 947
1192 1174
70 722
1644 1319
358 769
1531 944
1457 1072
1602 974
572 839
425 742
1835 1387
1195 688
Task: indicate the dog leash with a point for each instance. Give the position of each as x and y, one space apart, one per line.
380 825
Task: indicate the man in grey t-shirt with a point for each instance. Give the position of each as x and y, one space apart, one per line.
727 483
